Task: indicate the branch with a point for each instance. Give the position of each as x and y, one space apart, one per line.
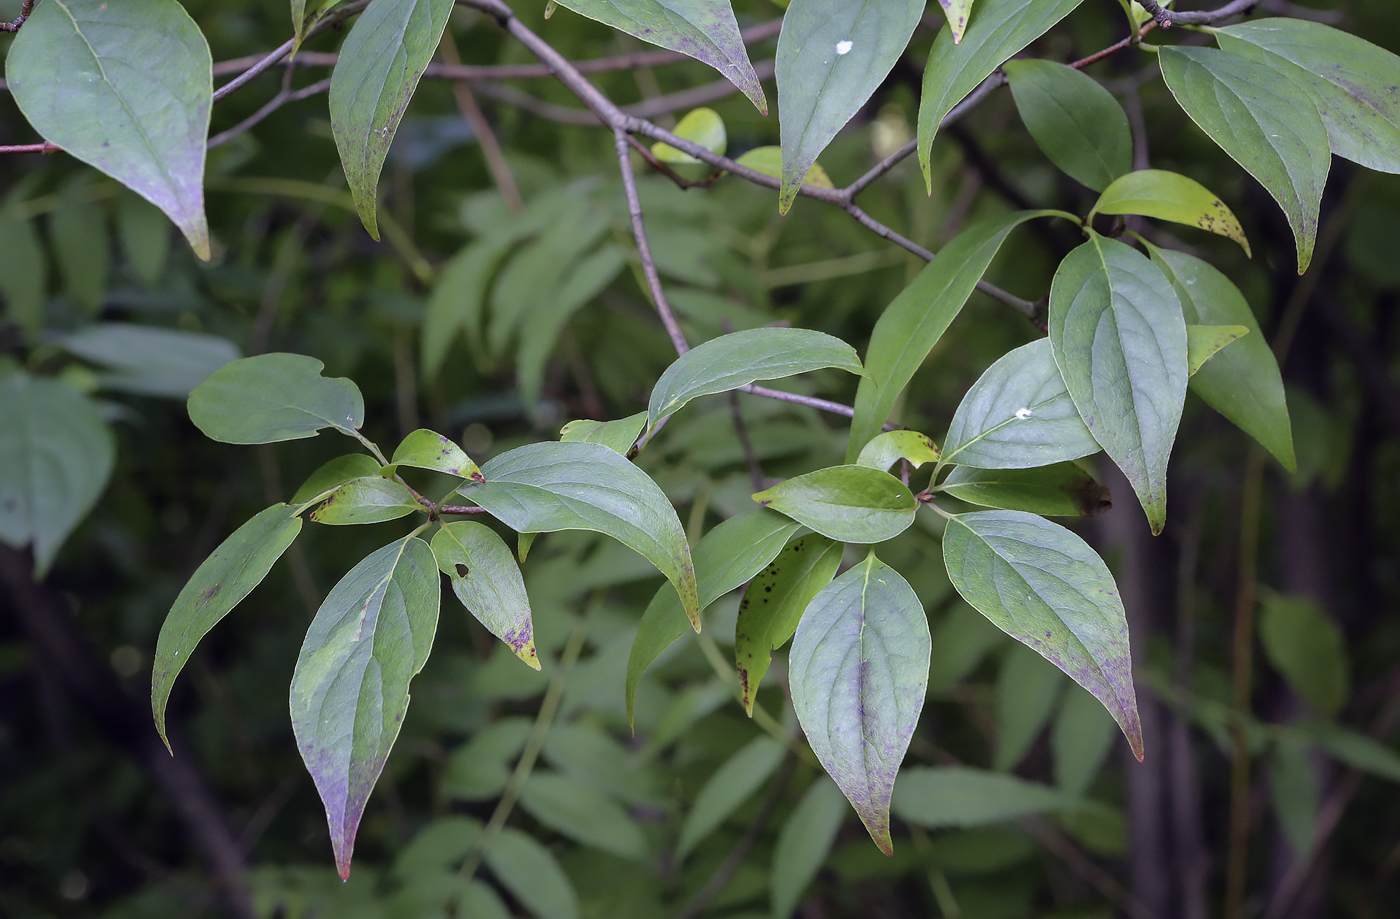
282 98
25 9
1168 18
284 49
44 147
485 137
634 210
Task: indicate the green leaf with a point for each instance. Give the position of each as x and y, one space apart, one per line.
804 843
274 397
1354 749
1119 339
332 474
458 299
1171 196
425 449
769 161
23 269
1080 741
774 603
487 580
1027 689
729 555
731 785
957 12
1243 382
145 237
479 769
738 359
858 670
1293 788
832 55
78 230
126 88
1019 415
1075 121
1044 586
999 29
583 814
892 446
533 275
590 755
847 503
617 435
371 499
149 361
702 126
1352 82
584 281
1308 649
545 487
56 455
218 585
703 29
1203 342
1061 490
956 796
379 66
1254 114
350 686
531 873
911 325
960 643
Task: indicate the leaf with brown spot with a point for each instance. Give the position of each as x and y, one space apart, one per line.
1169 196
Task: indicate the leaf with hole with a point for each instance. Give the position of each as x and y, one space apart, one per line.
1060 490
1076 123
1170 196
487 580
846 503
274 397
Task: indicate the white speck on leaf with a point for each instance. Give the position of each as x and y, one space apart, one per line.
843 47
1022 414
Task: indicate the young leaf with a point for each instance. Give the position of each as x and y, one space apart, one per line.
956 796
892 446
1308 649
379 66
858 670
424 449
831 56
804 843
739 358
350 687
149 361
1018 415
274 397
998 30
911 325
769 161
847 503
617 435
703 29
702 126
1352 82
1044 586
532 874
24 270
1265 120
541 488
774 603
333 474
727 556
1243 382
56 455
1119 339
1076 123
1170 196
582 813
740 776
218 585
372 499
1027 689
487 580
957 12
1080 741
1204 342
126 88
1061 490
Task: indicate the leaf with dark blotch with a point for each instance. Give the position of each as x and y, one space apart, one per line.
274 397
372 499
1075 121
892 446
957 12
350 686
424 449
1061 490
858 670
1170 196
1119 339
378 69
1044 586
126 88
487 580
334 473
774 603
218 585
1266 121
847 503
617 435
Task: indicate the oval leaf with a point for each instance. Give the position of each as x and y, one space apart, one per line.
379 66
832 55
804 843
936 797
487 580
859 669
1044 586
218 585
846 503
24 269
149 361
424 449
1204 342
774 603
1254 114
350 687
274 397
769 161
1119 339
1061 490
740 776
372 499
126 88
532 874
541 488
1308 648
582 813
1076 123
702 126
1018 416
619 435
1170 196
333 474
738 359
892 446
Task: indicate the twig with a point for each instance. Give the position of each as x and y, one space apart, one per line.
639 233
25 9
284 49
1168 18
460 510
485 137
741 431
1083 866
282 98
44 147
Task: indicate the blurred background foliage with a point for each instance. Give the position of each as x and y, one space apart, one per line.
699 812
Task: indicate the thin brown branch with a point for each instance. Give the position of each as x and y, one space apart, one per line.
639 233
45 148
1168 18
25 9
741 431
273 57
485 137
455 510
282 98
